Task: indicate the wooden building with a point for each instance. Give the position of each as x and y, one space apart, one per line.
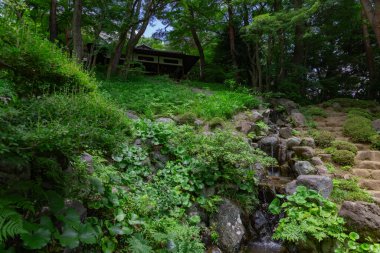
174 64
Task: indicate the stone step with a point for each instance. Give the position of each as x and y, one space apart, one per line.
370 184
369 165
368 155
375 194
363 173
362 147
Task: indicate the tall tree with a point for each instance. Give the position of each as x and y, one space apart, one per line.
298 54
372 11
77 29
53 28
231 35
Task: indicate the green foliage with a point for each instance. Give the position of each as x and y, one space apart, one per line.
343 157
345 145
322 138
375 141
352 112
309 216
11 222
312 218
144 97
358 128
348 190
37 66
313 111
352 103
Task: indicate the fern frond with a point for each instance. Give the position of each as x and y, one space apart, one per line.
11 224
137 244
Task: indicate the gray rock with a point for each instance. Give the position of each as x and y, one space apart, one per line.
376 125
269 145
244 126
362 217
198 122
229 227
259 220
159 160
292 142
304 168
256 116
321 184
304 152
316 160
165 120
308 141
289 105
87 158
321 169
132 115
285 132
298 119
266 247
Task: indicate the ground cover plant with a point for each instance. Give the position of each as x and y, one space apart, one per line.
172 99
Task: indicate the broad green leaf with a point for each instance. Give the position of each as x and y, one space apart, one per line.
87 234
69 238
36 239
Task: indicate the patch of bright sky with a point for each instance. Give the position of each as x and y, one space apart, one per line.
152 28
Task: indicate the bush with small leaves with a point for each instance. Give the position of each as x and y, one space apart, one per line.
343 157
345 145
322 138
359 129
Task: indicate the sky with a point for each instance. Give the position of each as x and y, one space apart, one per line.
152 28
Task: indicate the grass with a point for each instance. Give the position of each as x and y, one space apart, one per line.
358 128
158 96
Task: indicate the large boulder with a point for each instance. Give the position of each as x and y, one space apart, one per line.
304 151
362 217
287 104
321 184
292 142
244 126
269 145
285 132
229 226
304 168
298 119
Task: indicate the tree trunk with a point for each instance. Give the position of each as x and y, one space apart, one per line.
373 15
77 31
231 35
114 61
370 58
53 29
202 61
298 55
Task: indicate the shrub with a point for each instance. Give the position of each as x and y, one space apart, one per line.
313 111
349 102
322 138
375 141
38 66
345 145
348 190
359 112
359 129
343 157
